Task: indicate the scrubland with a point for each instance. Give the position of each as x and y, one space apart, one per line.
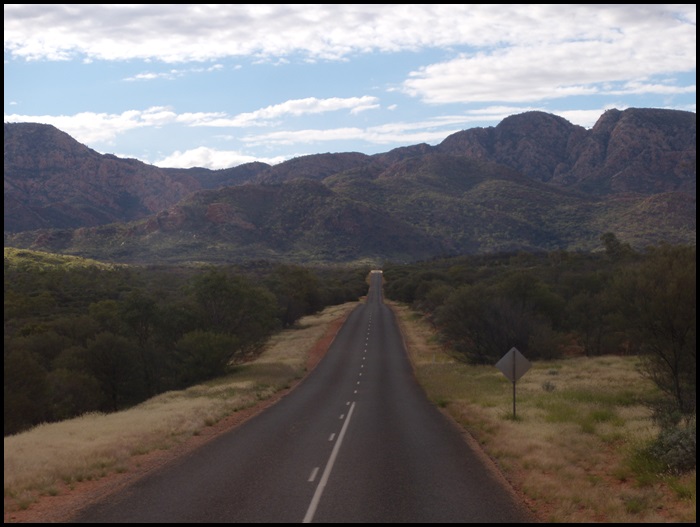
573 448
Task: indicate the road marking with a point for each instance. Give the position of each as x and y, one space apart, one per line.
332 436
313 474
327 471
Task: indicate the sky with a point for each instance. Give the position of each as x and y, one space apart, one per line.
219 85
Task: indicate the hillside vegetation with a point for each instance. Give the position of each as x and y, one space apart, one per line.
534 183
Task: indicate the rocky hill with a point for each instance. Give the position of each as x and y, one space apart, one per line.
534 182
52 181
641 150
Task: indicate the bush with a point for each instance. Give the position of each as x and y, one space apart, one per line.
203 355
675 448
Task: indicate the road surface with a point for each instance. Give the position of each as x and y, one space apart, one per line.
356 442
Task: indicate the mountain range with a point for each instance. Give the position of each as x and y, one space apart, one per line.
534 182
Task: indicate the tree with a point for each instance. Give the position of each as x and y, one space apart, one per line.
141 315
658 298
231 305
297 291
203 355
111 360
527 294
44 343
72 393
469 321
25 391
614 248
106 313
482 323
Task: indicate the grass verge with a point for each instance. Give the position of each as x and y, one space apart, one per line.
575 447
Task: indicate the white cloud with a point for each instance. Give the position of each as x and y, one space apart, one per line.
550 71
189 32
289 137
173 73
91 127
86 127
396 133
634 87
299 107
101 128
585 118
211 158
508 52
148 77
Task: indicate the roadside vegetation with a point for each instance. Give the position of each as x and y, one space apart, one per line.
54 458
81 337
578 449
604 428
582 446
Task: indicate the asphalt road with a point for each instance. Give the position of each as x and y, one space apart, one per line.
356 442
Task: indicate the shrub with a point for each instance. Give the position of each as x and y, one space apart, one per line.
675 448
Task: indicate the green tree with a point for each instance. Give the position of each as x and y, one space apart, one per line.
141 316
106 313
527 294
591 310
587 315
614 248
482 323
467 324
433 296
658 298
25 391
44 343
232 305
72 393
298 292
76 328
111 359
203 355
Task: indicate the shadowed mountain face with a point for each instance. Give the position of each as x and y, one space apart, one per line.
644 151
52 181
534 182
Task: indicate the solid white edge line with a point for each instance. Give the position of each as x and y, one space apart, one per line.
327 471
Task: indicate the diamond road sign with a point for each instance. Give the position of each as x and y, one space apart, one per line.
513 365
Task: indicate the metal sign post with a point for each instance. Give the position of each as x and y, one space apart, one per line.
513 365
